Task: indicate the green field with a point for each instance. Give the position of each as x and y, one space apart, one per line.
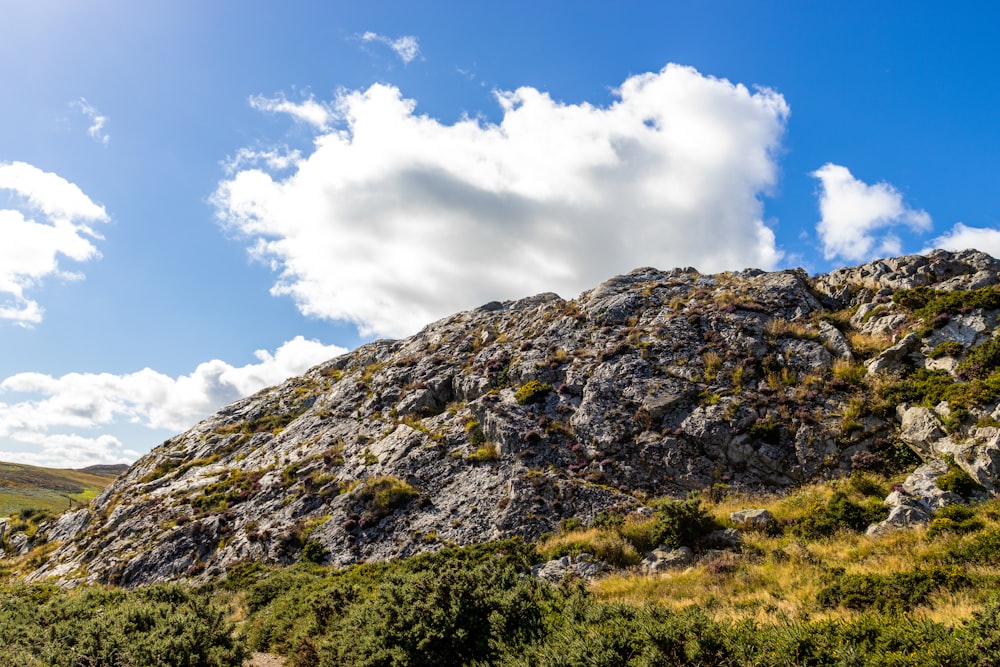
54 490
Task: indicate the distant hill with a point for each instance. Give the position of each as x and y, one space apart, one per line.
52 489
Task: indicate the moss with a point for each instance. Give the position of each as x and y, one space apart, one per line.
486 452
532 391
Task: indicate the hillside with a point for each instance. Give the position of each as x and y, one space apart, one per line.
50 489
515 418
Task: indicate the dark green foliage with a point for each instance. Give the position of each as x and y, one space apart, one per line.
958 481
930 387
900 591
955 519
383 495
981 548
929 303
159 626
839 513
314 552
949 348
922 387
452 615
681 523
595 635
866 485
982 360
427 609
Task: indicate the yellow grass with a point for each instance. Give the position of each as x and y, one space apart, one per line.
778 578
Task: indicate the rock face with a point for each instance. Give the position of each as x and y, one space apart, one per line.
504 420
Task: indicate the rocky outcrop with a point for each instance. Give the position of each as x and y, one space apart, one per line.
504 420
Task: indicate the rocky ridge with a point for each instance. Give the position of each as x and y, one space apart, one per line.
504 420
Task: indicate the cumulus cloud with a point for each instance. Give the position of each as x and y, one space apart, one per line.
857 218
97 121
395 218
963 237
406 47
308 111
48 217
53 411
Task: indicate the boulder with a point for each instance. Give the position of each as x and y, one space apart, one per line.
753 519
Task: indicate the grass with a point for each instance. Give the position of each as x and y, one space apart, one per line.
50 489
779 578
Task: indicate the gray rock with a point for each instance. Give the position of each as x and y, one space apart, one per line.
921 429
662 559
661 382
583 565
896 357
753 519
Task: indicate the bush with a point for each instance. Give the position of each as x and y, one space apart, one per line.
681 523
900 591
839 513
958 481
532 391
982 360
955 519
162 624
383 495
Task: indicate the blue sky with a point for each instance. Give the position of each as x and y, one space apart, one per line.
199 199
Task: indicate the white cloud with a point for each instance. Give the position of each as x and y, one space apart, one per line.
395 218
51 406
308 111
49 217
857 217
963 237
406 47
97 121
275 159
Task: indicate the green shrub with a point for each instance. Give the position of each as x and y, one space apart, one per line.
838 513
314 552
949 348
680 523
158 625
980 548
958 519
532 391
866 485
383 495
896 592
982 360
957 481
929 303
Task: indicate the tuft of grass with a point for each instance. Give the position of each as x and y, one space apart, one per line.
851 373
605 545
782 328
867 345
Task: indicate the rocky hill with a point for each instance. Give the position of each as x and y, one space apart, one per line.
504 420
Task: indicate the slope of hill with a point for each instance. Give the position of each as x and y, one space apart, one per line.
49 489
517 417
